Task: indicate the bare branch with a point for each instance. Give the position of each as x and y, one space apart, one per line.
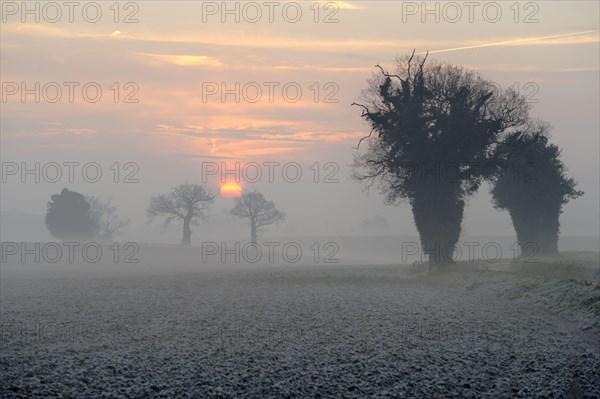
387 75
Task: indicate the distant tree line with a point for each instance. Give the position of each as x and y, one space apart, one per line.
71 215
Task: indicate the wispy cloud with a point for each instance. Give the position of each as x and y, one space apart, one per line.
319 68
528 69
185 60
263 131
346 5
585 37
230 38
311 136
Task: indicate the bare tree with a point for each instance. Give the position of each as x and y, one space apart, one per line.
260 212
187 202
104 215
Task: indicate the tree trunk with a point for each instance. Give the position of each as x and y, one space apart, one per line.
252 231
187 232
549 230
537 232
438 216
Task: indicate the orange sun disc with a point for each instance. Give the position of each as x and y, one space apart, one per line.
230 189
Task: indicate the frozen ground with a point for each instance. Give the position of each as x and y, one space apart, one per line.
303 331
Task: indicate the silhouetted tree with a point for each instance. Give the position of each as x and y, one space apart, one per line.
258 210
187 202
104 215
68 216
434 128
533 187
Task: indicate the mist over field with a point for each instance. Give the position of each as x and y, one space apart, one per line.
299 199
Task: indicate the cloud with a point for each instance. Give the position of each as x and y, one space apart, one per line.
528 69
310 136
244 39
584 37
346 5
229 38
263 132
186 60
319 68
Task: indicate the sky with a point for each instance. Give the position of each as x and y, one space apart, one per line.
189 86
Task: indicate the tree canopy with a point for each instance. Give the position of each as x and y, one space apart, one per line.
187 202
68 216
532 185
259 212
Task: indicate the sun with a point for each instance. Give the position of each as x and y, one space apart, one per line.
230 189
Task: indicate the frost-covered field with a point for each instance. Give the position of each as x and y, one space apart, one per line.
295 331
